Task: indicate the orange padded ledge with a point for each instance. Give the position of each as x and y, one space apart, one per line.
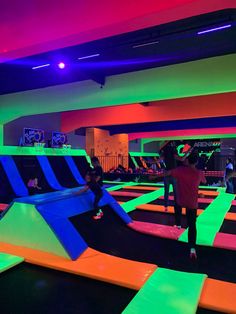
161 209
128 194
230 216
208 192
92 264
144 188
219 296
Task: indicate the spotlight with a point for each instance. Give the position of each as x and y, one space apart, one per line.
61 65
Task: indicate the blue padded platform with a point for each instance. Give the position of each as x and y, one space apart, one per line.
13 175
74 170
48 172
57 207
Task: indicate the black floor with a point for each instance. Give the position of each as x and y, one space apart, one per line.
167 219
228 226
28 289
112 236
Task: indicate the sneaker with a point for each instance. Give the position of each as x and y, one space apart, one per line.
98 216
179 227
100 212
193 254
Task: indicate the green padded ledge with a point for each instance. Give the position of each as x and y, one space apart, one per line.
144 199
168 292
120 186
210 221
8 261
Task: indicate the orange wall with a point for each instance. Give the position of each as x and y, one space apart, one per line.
114 148
217 105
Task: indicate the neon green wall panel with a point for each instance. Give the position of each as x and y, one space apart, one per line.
18 150
22 225
201 77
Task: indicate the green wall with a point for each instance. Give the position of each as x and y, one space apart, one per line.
202 77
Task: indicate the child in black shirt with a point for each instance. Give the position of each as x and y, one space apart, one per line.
93 184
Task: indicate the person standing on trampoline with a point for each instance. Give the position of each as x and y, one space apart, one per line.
188 179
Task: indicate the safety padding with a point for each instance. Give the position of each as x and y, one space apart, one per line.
225 241
92 264
218 296
157 230
168 292
138 187
8 261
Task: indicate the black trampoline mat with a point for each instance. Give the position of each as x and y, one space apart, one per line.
111 235
28 289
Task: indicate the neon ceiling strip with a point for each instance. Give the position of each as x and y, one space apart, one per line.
214 29
41 66
90 56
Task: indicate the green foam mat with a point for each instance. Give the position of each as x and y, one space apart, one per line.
210 221
8 261
168 292
144 199
23 225
120 186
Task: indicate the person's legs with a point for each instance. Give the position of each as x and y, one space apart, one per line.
166 194
191 215
178 213
174 184
98 213
229 186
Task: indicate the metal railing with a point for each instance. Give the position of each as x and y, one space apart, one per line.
108 162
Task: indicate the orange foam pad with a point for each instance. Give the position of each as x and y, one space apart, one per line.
219 296
161 209
128 194
138 187
208 192
225 241
92 264
230 216
163 231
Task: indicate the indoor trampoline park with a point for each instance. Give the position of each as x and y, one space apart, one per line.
118 157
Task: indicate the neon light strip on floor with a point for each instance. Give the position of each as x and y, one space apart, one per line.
210 221
168 291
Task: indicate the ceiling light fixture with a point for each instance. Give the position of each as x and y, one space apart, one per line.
41 66
61 65
214 29
90 56
146 44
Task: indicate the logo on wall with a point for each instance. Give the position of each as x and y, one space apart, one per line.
32 136
59 139
204 146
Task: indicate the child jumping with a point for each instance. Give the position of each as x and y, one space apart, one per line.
188 179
